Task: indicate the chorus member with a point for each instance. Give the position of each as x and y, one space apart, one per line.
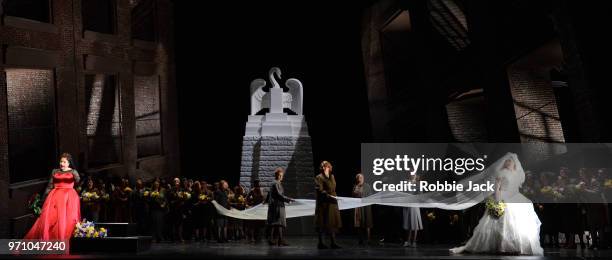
276 208
221 197
159 207
177 206
121 195
254 198
327 213
91 201
363 215
412 222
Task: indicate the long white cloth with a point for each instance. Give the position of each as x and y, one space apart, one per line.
306 207
298 208
451 200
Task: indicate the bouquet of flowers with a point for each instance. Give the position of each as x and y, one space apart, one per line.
106 197
90 196
127 190
608 184
87 229
495 208
154 194
146 193
203 197
431 216
158 198
34 204
184 195
546 190
557 193
580 186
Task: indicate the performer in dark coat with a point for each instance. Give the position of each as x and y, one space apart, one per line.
158 206
276 208
220 197
327 213
254 198
363 215
140 208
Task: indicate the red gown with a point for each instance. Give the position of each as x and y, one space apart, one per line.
60 212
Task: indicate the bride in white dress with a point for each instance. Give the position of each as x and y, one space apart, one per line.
517 231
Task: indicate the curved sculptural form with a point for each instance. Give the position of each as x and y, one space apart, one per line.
291 99
276 122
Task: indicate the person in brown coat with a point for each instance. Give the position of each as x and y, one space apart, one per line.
327 214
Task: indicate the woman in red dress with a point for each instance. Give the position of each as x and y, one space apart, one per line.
61 209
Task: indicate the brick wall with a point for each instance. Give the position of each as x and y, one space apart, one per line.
535 106
466 118
4 168
536 110
262 155
31 115
70 52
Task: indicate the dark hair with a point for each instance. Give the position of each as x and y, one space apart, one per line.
69 159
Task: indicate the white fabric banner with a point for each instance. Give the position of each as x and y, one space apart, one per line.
298 208
450 200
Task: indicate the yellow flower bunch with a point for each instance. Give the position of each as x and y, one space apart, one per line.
184 195
546 189
86 229
89 196
203 197
608 183
127 189
495 208
557 194
145 193
154 194
431 216
90 232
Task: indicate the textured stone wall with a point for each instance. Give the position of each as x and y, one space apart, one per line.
466 118
71 52
535 106
4 168
262 155
536 111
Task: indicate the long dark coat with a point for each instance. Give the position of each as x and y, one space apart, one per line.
327 214
276 206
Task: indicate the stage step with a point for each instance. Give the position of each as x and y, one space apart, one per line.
127 244
119 229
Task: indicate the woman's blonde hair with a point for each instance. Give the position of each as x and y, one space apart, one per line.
325 164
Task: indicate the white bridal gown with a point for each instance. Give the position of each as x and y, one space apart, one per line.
515 232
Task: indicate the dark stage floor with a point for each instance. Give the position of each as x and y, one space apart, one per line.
305 248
